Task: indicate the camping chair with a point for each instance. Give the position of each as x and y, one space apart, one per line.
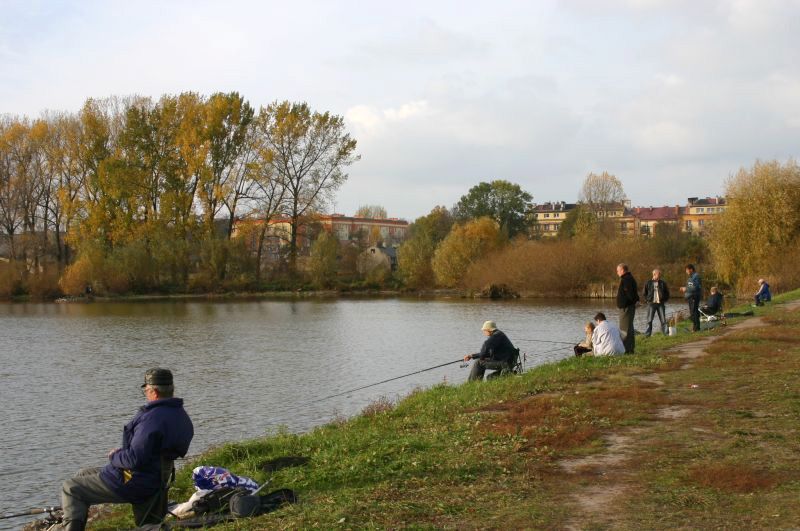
515 364
154 510
707 316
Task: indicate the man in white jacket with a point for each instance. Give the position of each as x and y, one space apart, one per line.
606 338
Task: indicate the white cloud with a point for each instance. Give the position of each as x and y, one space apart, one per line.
671 96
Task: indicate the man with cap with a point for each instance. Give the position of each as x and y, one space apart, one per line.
496 353
161 430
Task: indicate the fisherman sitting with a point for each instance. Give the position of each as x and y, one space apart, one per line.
585 346
714 303
496 354
606 338
763 294
160 432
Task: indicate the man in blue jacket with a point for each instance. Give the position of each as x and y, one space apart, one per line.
692 293
161 428
763 294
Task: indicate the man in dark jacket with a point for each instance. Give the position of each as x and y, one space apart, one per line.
656 294
161 428
713 303
627 297
692 293
496 353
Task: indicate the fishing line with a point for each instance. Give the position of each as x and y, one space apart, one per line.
460 360
545 341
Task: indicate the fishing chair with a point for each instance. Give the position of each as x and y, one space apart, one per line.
154 510
707 316
514 365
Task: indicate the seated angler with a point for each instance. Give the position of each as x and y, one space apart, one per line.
606 338
714 302
159 433
585 346
763 294
497 353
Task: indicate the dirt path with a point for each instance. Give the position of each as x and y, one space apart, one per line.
611 473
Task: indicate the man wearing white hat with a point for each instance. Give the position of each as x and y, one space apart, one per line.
495 355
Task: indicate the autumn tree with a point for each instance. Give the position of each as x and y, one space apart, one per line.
464 245
579 222
322 262
761 223
600 191
10 189
371 211
310 151
416 254
504 202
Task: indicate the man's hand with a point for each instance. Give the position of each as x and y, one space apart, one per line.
112 452
683 289
468 357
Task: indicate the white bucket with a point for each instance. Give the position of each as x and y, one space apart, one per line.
673 331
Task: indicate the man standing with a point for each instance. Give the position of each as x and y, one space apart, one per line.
606 338
692 293
160 431
496 353
627 297
656 294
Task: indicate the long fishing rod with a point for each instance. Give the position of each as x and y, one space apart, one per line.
29 512
421 371
460 360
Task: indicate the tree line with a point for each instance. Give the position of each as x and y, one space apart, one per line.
486 239
136 194
129 192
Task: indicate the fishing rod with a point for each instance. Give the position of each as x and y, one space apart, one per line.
30 512
545 341
460 360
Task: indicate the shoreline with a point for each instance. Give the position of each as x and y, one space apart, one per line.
398 463
313 294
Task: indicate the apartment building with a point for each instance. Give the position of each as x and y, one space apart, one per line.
699 212
547 217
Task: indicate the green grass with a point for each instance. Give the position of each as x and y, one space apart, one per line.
482 455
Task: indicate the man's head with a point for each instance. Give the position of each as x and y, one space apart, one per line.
714 290
689 269
761 281
600 317
489 327
656 274
158 384
622 269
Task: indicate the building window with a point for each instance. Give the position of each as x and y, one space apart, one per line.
547 215
700 210
688 224
701 222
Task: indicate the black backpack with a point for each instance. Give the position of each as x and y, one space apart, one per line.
244 505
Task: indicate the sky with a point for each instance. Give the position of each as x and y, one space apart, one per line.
671 96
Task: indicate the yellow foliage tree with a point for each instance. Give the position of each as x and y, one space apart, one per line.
465 245
761 223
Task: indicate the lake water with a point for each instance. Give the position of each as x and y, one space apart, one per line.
71 373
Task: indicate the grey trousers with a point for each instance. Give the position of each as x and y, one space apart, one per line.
79 493
480 367
626 327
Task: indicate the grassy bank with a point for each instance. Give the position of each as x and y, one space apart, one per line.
490 455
